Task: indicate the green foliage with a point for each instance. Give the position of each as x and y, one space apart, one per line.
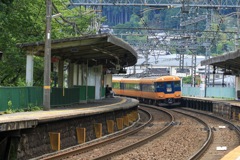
24 21
30 107
19 110
135 22
21 82
9 110
187 80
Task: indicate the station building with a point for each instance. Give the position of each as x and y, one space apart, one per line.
88 62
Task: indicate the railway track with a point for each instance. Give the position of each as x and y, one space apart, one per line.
226 135
143 141
199 153
87 151
190 144
188 139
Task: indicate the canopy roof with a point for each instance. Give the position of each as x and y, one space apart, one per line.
230 61
101 49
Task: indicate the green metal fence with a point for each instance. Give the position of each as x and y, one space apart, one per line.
23 97
20 97
68 96
64 96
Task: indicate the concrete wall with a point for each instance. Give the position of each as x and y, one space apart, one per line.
222 108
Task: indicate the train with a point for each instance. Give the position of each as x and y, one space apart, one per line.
160 90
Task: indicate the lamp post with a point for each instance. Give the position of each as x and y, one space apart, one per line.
47 58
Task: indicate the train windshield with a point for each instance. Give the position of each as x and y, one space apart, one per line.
159 87
168 87
177 86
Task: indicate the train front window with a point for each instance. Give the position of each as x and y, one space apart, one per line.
177 86
159 86
169 87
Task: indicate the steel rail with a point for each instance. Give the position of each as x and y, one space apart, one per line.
206 144
237 129
143 141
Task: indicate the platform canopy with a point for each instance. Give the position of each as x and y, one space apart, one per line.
230 61
101 49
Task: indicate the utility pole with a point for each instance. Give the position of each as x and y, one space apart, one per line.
47 58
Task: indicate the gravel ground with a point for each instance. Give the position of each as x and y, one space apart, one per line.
223 137
160 119
179 143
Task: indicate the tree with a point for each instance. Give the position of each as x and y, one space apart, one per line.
187 80
24 21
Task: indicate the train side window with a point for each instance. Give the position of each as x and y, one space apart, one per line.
132 86
144 87
148 87
122 86
152 88
116 85
159 85
136 87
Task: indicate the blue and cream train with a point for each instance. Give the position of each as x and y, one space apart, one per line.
161 91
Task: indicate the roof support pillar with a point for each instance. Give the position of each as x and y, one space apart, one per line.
60 73
214 71
194 66
29 70
237 88
75 74
79 78
98 81
70 74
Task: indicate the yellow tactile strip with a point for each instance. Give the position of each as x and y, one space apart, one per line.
233 155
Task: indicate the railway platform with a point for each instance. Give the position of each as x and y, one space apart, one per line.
42 132
229 109
233 155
